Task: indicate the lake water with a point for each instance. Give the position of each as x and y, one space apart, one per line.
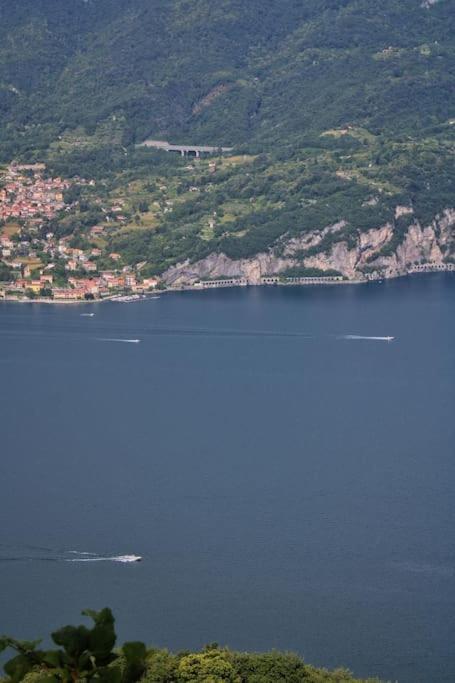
287 487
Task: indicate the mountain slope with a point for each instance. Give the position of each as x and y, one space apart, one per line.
341 112
238 71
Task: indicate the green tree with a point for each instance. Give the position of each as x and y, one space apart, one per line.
211 666
46 292
84 654
6 273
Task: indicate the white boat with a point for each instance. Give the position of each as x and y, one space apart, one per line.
128 298
91 557
130 558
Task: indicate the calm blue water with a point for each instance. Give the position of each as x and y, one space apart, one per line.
287 488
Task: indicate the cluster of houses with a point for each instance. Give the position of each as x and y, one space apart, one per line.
102 285
83 277
47 265
26 194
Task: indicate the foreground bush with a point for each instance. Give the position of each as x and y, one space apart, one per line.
88 654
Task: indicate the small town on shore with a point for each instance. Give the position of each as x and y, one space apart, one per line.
38 264
35 263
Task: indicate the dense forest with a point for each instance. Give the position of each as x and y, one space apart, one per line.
89 654
257 72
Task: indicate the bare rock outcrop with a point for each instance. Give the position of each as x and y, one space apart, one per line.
356 257
431 244
350 260
308 240
221 266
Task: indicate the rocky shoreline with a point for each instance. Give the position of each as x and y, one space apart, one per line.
450 268
364 256
320 257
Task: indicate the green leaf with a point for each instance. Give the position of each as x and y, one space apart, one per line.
90 613
52 658
74 639
110 675
101 641
134 651
23 646
28 645
102 636
18 667
4 643
104 617
135 654
84 663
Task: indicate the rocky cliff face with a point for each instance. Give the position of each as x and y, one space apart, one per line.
350 260
220 266
433 244
371 253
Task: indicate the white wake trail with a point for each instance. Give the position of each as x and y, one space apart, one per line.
62 556
121 341
115 558
359 337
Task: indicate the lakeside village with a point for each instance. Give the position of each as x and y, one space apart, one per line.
36 264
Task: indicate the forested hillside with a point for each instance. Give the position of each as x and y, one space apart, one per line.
339 112
229 71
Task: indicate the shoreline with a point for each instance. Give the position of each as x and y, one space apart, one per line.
191 288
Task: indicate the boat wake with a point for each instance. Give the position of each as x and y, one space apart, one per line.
94 557
121 341
359 337
24 555
443 571
226 333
